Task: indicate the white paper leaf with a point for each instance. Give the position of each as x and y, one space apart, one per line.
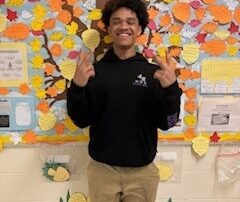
162 7
90 4
188 34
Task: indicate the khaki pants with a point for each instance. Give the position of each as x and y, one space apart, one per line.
122 184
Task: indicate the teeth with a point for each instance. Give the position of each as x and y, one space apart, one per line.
124 35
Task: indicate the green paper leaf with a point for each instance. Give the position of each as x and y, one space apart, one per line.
170 200
60 200
68 195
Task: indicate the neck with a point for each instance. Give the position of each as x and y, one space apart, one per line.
124 53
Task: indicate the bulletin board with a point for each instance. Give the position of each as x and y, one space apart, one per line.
39 47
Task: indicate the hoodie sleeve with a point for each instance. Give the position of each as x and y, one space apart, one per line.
78 105
168 106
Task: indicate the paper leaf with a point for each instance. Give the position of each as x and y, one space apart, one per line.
11 15
231 40
209 27
165 172
77 11
95 14
190 53
3 22
90 4
188 34
156 38
59 128
64 16
232 50
214 47
73 54
209 1
56 50
91 38
190 106
233 28
201 37
24 89
194 23
152 25
190 133
191 93
67 68
200 145
1 144
190 120
43 107
221 34
200 13
49 24
181 11
18 31
49 69
165 20
29 137
47 121
142 39
162 7
214 137
148 52
184 74
237 15
195 4
4 91
52 91
70 125
26 15
195 75
221 13
152 12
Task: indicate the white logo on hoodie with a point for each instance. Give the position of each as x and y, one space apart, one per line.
140 81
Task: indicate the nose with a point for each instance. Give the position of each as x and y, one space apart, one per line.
123 25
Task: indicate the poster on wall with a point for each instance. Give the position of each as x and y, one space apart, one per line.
17 113
219 115
220 76
13 64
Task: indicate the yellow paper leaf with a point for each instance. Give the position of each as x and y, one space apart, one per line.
47 121
222 34
1 144
15 3
190 120
56 36
190 53
107 39
39 11
72 28
67 68
37 24
70 125
61 84
232 50
37 81
165 172
40 94
175 39
3 22
200 145
37 61
91 38
95 14
68 43
36 44
77 197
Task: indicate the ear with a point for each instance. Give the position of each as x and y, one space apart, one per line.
139 30
109 30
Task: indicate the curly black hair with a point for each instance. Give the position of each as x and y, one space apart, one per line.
137 6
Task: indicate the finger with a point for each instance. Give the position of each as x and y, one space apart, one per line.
87 58
159 61
90 73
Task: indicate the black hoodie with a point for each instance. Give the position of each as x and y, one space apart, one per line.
124 105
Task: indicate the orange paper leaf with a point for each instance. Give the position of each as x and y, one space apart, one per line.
59 128
71 2
237 15
56 50
18 31
65 17
156 39
200 13
142 39
190 133
77 11
52 91
191 93
24 89
209 27
49 69
209 1
184 74
165 20
190 106
181 11
195 75
55 5
175 51
49 24
221 13
101 26
175 28
29 137
152 12
43 107
4 91
231 40
214 47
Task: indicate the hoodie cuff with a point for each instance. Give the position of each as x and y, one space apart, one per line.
77 90
173 89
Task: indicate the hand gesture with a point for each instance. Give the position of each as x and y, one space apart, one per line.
165 74
84 69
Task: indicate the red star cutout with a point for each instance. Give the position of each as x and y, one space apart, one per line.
233 28
214 137
11 15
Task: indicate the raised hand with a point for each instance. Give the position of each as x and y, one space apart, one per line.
165 74
84 69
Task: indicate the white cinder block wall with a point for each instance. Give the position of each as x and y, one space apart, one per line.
21 180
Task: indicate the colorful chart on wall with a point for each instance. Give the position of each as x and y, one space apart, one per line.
40 42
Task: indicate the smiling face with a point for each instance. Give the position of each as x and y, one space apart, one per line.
124 28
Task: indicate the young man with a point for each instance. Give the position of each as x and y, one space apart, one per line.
124 99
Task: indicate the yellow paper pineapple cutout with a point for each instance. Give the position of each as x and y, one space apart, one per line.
60 174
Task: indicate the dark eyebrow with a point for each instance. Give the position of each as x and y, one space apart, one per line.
121 18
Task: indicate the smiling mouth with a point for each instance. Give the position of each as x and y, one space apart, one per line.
124 35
